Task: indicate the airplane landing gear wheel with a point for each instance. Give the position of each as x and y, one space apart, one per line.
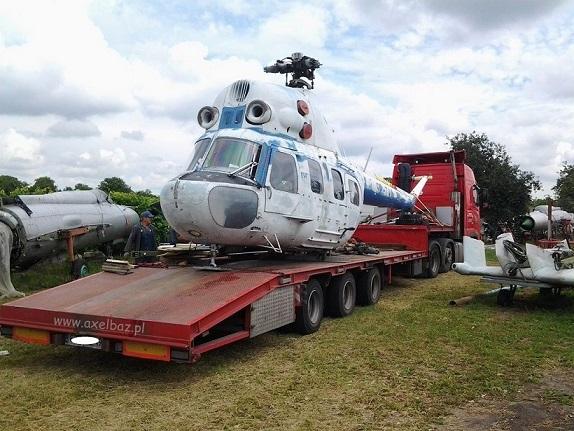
79 269
505 296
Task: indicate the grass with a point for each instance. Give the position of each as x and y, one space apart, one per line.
403 364
45 274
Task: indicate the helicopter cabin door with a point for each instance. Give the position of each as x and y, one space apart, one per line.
282 191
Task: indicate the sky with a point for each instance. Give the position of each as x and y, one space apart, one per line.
93 89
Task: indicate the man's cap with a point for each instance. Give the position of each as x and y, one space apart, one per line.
146 214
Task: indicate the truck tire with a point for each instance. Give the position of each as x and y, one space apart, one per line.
309 314
448 257
434 260
369 285
341 295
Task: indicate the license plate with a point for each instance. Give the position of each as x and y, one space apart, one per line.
69 342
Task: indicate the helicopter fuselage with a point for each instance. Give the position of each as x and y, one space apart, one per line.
268 173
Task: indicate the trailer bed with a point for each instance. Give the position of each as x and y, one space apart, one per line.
167 314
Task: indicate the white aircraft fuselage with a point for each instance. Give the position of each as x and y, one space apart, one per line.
267 172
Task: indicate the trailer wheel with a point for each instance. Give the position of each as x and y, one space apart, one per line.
369 284
341 295
433 260
309 315
448 258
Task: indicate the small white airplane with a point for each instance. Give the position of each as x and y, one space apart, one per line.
519 267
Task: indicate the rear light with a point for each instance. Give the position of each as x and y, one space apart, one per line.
306 131
32 336
302 107
146 351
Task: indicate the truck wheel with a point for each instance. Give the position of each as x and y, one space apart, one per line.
341 295
369 284
448 258
433 260
308 316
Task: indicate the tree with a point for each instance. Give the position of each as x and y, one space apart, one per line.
564 188
44 185
114 184
509 187
8 184
81 186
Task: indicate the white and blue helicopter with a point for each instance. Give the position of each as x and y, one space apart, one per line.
268 172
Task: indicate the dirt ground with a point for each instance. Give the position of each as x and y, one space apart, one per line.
541 406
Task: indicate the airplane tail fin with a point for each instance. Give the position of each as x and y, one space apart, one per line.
474 252
474 257
538 258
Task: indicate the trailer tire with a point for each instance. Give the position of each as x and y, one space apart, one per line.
448 257
309 314
369 285
434 260
342 295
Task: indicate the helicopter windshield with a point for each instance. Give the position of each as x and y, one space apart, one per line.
228 155
198 152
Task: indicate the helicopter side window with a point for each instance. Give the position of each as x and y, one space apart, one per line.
338 189
283 172
198 152
354 192
228 155
316 176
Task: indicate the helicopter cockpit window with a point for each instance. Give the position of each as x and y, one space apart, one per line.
283 172
198 152
354 192
228 155
316 176
338 189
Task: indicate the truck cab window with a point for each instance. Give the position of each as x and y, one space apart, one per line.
198 152
354 193
283 175
316 176
338 189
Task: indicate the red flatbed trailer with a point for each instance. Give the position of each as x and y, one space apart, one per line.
179 313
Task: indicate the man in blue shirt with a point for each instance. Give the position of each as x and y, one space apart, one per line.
142 239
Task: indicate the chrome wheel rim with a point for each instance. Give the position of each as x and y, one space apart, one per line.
313 307
348 295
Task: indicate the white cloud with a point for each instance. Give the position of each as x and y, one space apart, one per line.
17 150
397 76
73 129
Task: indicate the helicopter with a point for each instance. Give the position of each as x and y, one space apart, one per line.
268 172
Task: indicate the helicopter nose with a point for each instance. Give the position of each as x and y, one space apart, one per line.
233 207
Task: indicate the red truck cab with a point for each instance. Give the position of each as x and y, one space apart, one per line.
447 210
451 192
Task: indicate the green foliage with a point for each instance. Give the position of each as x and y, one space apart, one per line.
564 188
8 184
508 186
44 185
114 184
140 202
81 186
